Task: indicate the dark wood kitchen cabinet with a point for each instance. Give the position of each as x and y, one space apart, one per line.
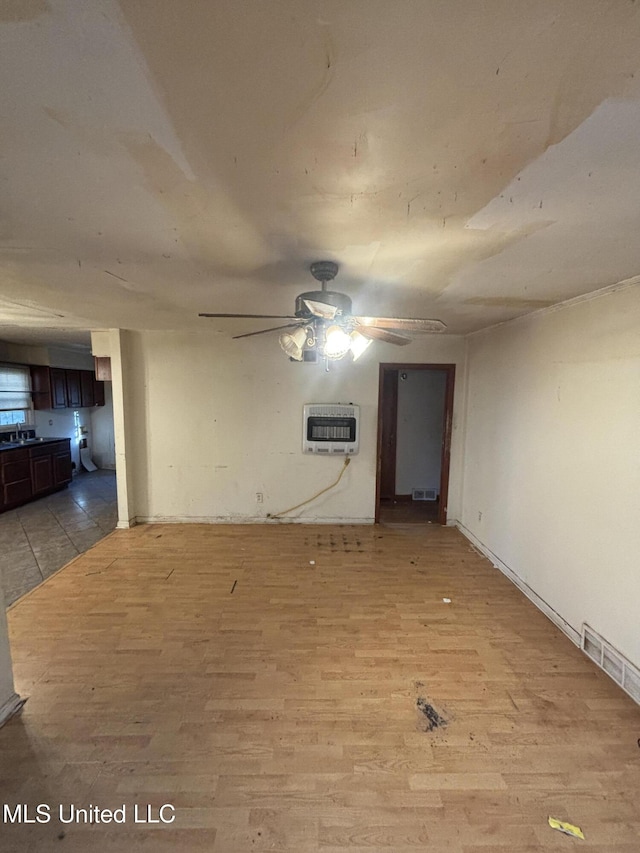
98 392
41 475
34 470
15 475
41 387
87 392
59 398
61 462
74 395
49 387
59 388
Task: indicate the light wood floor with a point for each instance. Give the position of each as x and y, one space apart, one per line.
287 713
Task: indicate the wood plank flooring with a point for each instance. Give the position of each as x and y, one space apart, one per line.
277 685
409 512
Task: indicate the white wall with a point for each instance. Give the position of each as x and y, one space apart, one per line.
102 438
71 359
419 430
18 354
551 459
58 423
116 345
213 421
52 356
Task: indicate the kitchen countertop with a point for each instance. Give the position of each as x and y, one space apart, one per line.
29 442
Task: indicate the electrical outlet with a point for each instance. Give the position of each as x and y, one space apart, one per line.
259 497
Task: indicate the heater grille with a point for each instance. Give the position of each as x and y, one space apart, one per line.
612 662
424 494
330 428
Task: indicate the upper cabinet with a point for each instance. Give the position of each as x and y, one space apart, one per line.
58 388
59 399
87 393
74 400
103 368
98 392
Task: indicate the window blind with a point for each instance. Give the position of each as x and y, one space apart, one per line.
14 387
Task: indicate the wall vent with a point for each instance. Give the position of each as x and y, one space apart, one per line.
612 662
424 494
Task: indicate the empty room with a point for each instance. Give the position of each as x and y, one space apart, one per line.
319 370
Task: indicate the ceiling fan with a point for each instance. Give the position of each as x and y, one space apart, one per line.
324 325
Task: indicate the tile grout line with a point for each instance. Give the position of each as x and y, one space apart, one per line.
56 507
26 536
61 528
84 512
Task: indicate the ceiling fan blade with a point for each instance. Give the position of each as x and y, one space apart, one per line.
274 329
383 335
408 324
321 309
254 316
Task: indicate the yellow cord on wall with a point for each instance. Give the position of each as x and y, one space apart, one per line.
317 495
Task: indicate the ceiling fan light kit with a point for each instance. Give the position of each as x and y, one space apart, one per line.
323 324
337 342
293 343
359 344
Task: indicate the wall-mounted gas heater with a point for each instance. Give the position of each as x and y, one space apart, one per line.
331 428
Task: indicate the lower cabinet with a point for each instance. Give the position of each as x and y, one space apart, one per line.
30 472
62 470
41 474
15 473
17 493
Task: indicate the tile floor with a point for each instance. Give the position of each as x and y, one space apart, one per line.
39 538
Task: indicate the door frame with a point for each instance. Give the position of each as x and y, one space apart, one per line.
447 425
388 413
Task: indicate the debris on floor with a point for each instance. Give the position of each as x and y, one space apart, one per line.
434 720
447 600
567 828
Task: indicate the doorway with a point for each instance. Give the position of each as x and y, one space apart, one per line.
415 407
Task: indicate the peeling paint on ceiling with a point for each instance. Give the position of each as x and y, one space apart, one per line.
163 158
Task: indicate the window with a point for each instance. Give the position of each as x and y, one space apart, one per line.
15 397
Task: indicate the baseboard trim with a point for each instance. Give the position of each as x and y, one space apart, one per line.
540 603
243 519
125 525
10 708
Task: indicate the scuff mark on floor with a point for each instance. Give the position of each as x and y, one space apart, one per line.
433 718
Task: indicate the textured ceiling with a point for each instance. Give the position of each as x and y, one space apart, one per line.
465 161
